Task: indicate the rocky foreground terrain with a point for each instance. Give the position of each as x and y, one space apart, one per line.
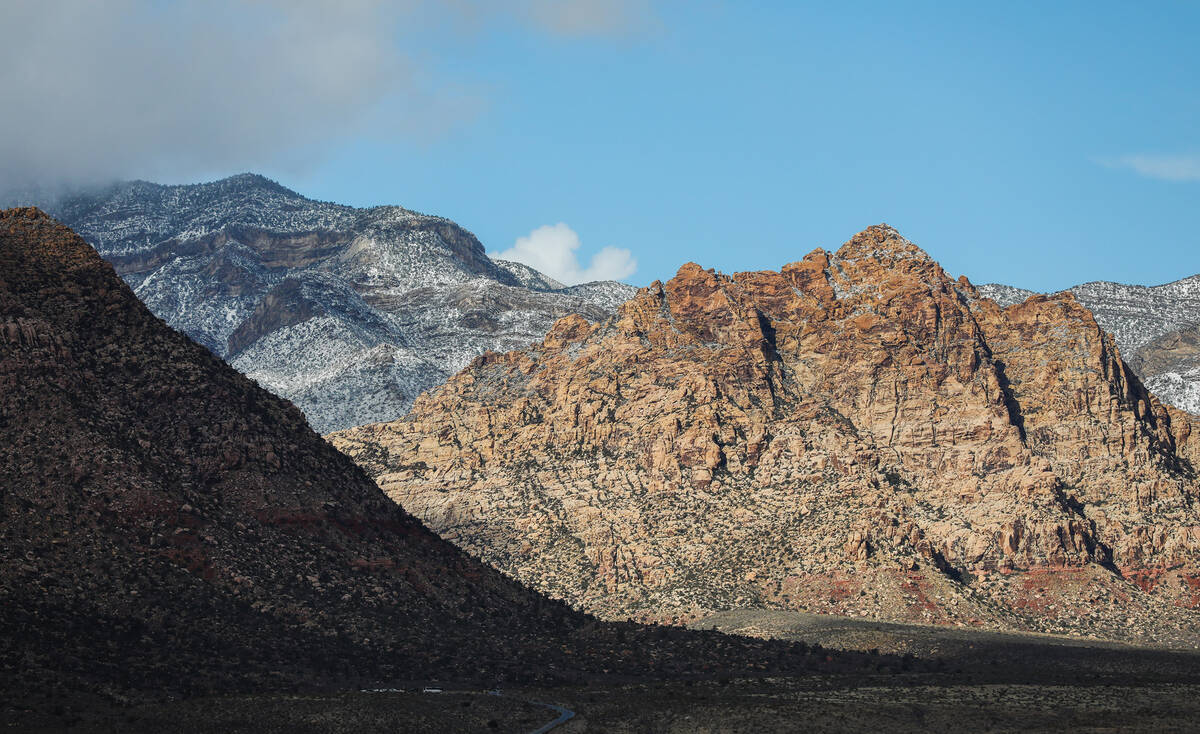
1157 329
349 313
858 434
168 527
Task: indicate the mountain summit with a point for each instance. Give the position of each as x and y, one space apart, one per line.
855 434
349 313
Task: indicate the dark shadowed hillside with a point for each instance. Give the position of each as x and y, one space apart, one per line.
168 526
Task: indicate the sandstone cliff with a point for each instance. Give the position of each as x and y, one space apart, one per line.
857 433
1154 326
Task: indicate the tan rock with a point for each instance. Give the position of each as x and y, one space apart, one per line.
842 418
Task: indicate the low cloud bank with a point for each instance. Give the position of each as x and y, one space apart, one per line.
175 91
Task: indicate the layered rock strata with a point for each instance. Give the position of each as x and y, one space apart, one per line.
858 433
349 313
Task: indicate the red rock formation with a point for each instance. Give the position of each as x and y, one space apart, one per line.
856 433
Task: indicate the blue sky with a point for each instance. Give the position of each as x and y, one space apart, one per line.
1038 144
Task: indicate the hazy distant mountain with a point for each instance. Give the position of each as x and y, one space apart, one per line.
350 313
1156 328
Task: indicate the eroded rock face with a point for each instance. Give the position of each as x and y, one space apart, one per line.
1155 327
857 433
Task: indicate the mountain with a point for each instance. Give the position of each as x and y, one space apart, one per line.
1155 328
167 526
857 434
349 313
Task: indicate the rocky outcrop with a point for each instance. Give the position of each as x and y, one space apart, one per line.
1153 327
857 433
349 313
167 526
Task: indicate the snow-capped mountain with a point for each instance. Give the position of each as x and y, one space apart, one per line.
349 313
1157 329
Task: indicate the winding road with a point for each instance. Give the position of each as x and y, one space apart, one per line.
564 714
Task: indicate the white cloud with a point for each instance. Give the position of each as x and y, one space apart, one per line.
175 91
1165 167
145 88
551 249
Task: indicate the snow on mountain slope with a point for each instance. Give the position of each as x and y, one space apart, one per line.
529 277
137 216
1138 314
1155 328
1181 389
1005 295
350 313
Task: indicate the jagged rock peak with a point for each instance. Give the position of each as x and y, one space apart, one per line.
31 232
881 242
24 214
871 266
845 435
691 270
